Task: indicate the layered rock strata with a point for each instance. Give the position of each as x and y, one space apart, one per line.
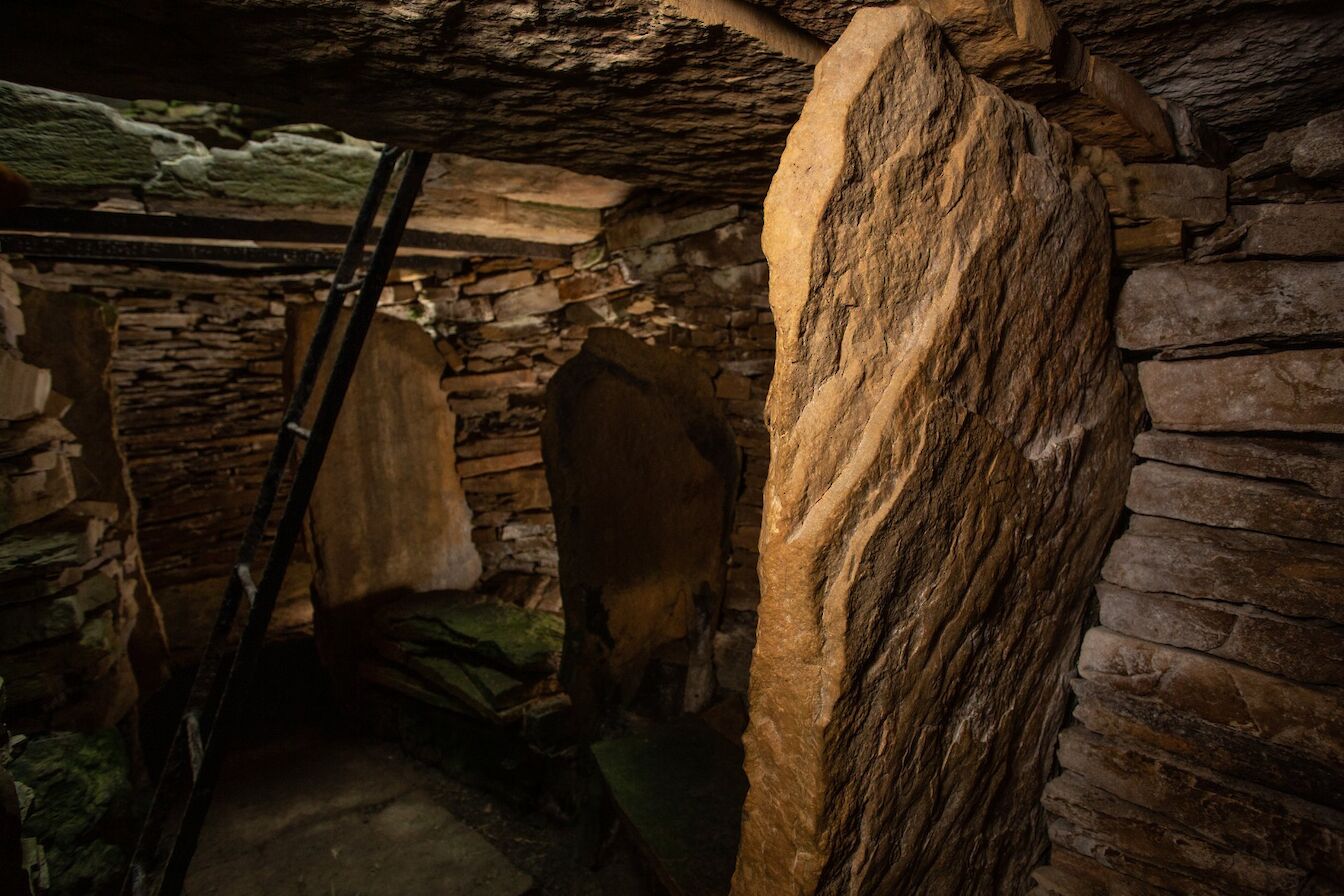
949 437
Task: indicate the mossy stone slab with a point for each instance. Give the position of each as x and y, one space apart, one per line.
680 789
492 633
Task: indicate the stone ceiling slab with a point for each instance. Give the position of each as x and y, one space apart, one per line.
633 91
1246 67
78 152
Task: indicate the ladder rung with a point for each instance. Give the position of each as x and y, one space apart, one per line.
244 574
349 287
298 430
195 747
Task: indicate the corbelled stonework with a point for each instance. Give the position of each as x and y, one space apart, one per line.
950 428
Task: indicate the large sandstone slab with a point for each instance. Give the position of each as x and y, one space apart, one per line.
1299 391
1234 502
1172 306
643 472
1268 707
388 515
632 91
1315 463
1298 649
932 514
1288 576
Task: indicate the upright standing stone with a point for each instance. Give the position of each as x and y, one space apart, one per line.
950 430
388 515
643 471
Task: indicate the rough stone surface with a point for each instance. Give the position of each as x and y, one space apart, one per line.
1292 230
1271 708
81 805
77 150
1140 843
390 458
643 472
1320 153
1222 748
1315 463
631 91
1173 306
1298 391
1190 193
1302 650
1272 828
1244 67
1234 502
1285 575
944 551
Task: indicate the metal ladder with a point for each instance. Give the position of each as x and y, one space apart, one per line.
182 798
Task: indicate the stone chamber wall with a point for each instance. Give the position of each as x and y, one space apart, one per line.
198 372
80 636
1206 753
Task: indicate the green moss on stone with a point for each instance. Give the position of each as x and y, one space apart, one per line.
81 792
496 633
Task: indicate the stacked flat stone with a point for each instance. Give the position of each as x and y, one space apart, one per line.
68 567
1207 754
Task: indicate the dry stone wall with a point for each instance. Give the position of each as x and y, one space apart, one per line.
199 371
1206 754
71 590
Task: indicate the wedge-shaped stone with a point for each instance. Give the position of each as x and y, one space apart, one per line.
1172 306
1271 708
1234 502
932 513
1299 391
1110 713
1317 464
1287 576
1305 651
1136 841
1273 827
390 458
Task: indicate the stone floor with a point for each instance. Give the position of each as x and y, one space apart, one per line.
306 806
311 815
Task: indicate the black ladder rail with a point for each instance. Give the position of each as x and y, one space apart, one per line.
172 827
